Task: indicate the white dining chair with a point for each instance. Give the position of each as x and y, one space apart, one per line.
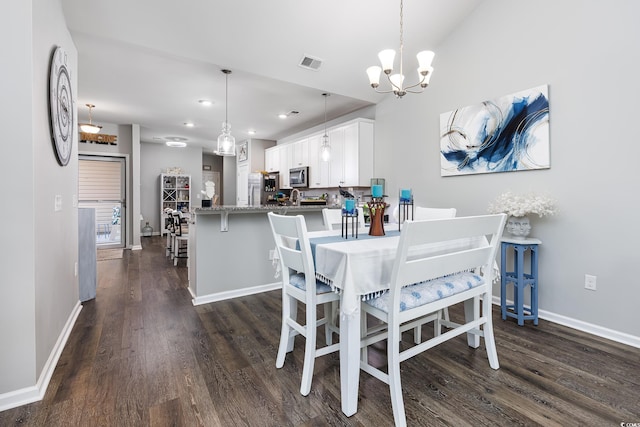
423 284
333 218
421 213
299 284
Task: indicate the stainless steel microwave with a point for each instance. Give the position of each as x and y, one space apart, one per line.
299 177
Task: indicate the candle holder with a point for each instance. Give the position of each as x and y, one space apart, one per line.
349 216
376 208
405 208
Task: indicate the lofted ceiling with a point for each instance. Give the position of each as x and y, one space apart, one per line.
149 61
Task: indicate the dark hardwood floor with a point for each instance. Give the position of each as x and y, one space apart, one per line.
141 354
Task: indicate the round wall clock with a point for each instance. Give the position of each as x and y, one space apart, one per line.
61 106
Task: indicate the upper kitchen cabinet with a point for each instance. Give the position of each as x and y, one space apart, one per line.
277 159
351 163
299 152
272 159
318 170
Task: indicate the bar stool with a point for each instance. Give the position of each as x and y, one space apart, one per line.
171 232
519 279
180 237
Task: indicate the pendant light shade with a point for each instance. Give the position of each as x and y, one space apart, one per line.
90 127
325 146
226 142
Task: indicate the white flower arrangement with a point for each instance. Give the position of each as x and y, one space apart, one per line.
520 205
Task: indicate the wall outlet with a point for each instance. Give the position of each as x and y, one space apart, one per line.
75 269
590 282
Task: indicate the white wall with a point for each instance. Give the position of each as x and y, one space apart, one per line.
154 160
17 286
39 290
587 51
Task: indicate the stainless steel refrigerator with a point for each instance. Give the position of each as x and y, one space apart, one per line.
263 188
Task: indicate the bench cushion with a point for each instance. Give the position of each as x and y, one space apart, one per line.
298 280
422 293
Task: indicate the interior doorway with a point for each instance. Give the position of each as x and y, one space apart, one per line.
101 185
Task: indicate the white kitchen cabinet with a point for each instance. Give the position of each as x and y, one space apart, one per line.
318 169
278 159
272 159
300 153
337 161
351 163
351 154
284 155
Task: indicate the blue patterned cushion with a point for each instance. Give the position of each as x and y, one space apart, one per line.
298 281
422 293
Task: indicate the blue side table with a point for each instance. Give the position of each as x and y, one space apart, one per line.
519 279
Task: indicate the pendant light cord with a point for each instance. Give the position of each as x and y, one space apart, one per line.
325 113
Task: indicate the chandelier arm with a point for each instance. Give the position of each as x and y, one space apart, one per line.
412 86
385 91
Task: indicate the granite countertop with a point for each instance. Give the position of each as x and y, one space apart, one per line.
257 209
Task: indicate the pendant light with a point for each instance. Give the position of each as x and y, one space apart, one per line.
325 146
226 141
90 127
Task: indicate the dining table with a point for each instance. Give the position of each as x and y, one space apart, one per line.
359 269
355 268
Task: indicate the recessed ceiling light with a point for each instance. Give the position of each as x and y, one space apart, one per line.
205 102
189 124
251 132
178 144
290 113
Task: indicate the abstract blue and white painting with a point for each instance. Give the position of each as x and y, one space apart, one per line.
510 133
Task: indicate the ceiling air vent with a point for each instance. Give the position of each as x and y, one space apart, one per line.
310 63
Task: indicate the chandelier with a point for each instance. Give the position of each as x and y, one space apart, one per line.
325 146
425 70
90 127
226 141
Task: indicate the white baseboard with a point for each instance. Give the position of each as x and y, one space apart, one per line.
136 247
590 328
205 299
36 392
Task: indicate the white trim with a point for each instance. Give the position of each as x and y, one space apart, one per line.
136 247
35 393
221 296
590 328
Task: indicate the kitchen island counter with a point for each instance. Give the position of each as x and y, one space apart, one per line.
262 208
231 249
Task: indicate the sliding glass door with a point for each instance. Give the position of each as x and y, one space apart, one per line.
101 182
